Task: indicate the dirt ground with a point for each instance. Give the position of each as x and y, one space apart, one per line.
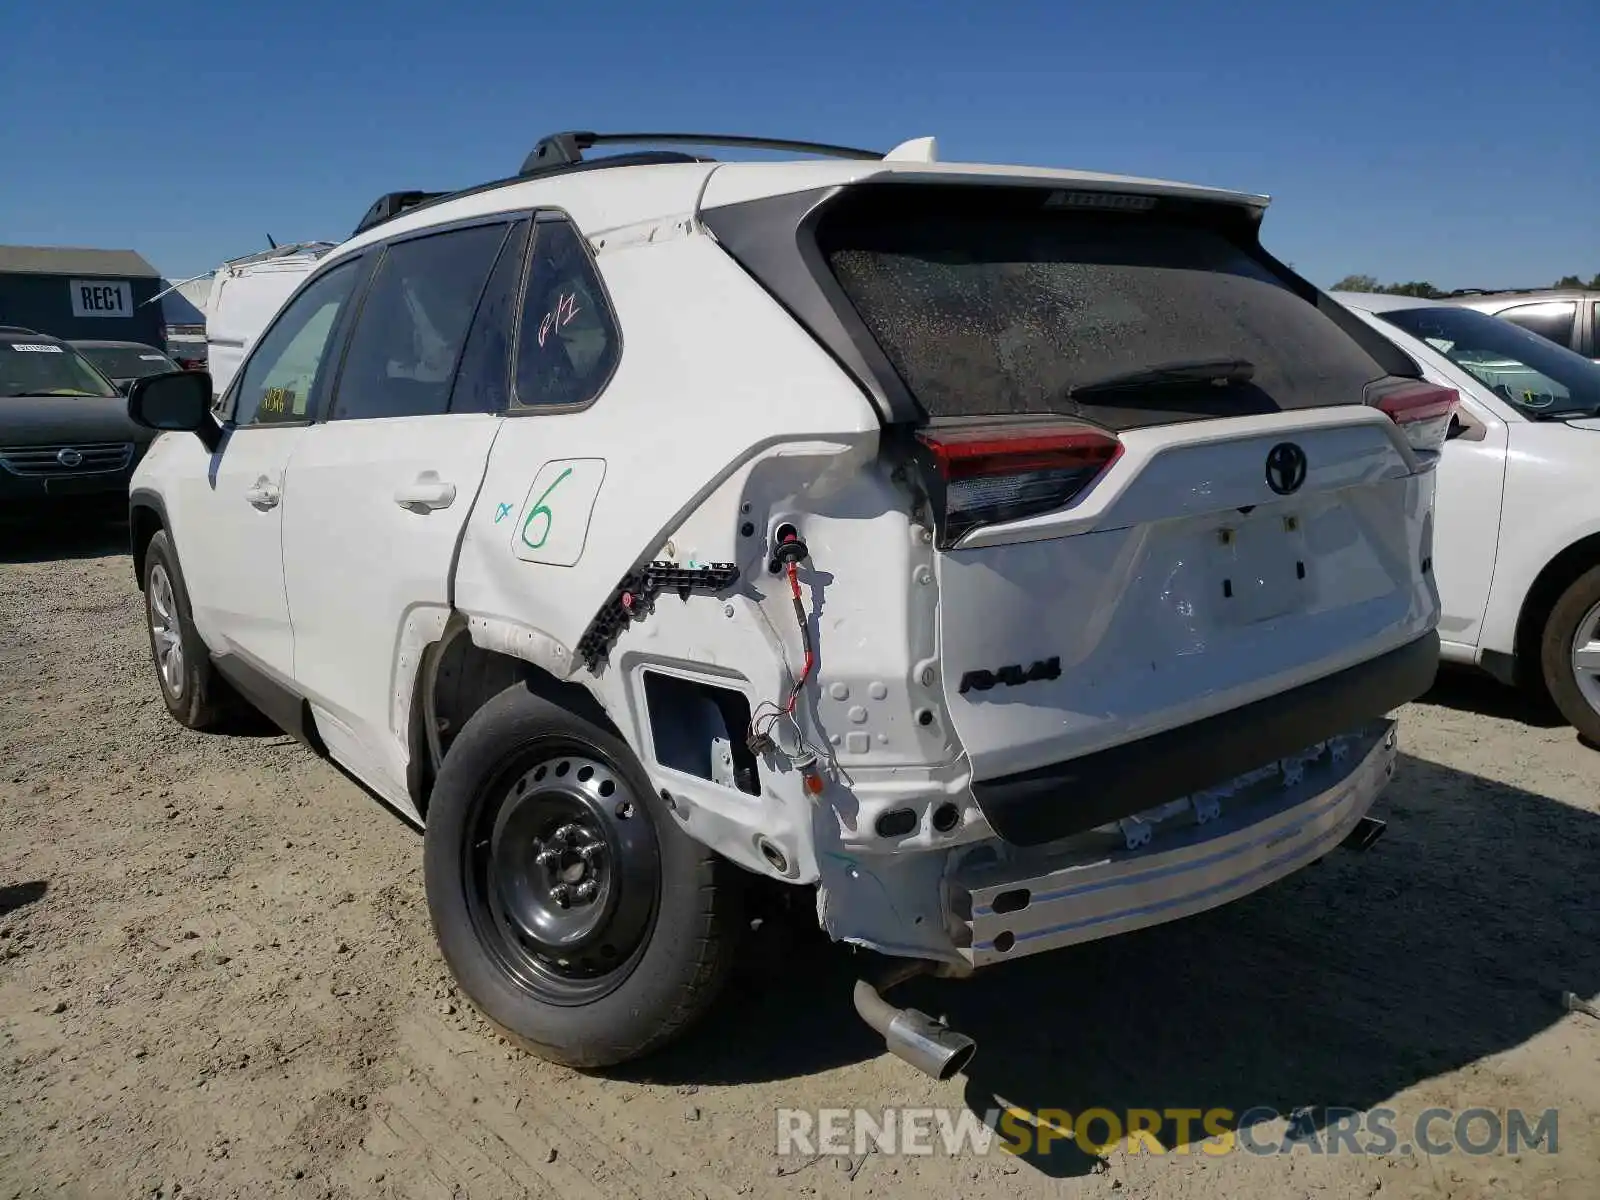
217 979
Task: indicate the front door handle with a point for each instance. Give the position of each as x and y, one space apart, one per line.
425 493
264 495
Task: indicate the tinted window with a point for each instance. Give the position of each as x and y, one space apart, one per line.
408 336
983 310
276 384
1538 378
568 344
1551 320
483 384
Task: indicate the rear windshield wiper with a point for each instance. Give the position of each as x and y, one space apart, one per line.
1219 372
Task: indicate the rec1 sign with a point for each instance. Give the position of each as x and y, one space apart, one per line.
102 298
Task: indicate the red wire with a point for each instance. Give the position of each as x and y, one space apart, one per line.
805 637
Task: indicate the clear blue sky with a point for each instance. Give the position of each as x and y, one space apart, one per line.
1454 142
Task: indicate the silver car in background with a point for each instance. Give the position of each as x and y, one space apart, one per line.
1568 317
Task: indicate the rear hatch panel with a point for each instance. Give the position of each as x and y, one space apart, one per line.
1158 556
1187 590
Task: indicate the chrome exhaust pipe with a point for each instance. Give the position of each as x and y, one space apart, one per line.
1365 834
915 1037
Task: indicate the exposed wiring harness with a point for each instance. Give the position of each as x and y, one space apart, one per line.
787 556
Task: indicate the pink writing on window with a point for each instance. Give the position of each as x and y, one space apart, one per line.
566 308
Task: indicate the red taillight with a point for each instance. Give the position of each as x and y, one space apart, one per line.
1423 412
994 473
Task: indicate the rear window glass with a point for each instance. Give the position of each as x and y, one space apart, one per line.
1005 314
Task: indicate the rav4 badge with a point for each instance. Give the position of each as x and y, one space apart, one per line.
1011 676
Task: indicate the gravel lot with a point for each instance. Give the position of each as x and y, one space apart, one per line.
217 979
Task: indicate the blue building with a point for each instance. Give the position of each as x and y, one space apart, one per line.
75 293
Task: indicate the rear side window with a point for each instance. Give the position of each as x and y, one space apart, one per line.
1550 320
568 344
1006 313
413 323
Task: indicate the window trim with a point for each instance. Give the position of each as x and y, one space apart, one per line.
518 289
552 216
507 218
337 336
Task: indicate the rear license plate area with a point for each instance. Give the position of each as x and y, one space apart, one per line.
1259 568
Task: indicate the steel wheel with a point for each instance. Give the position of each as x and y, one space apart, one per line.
562 875
1585 652
166 630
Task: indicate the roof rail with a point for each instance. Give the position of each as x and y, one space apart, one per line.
564 152
392 204
566 149
1504 291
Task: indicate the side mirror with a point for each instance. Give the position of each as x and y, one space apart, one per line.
177 402
125 386
1465 426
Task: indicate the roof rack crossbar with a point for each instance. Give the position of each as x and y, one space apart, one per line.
565 149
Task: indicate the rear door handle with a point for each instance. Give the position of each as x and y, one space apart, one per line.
264 495
425 493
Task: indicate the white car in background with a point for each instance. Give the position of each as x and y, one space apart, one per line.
1517 535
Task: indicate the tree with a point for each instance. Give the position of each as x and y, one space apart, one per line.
1356 283
1425 290
1570 281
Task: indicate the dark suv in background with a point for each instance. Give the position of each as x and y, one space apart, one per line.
65 437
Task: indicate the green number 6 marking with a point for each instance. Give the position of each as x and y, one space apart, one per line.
539 510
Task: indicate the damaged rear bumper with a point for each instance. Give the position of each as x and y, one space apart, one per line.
1006 902
1027 809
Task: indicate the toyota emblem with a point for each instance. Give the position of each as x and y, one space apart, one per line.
69 457
1286 468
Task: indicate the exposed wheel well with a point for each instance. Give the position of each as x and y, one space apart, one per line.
144 523
458 678
1556 577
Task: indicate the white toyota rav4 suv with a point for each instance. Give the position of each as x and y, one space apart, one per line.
1015 557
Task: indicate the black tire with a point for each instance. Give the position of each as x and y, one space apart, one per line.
196 696
639 958
1573 614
